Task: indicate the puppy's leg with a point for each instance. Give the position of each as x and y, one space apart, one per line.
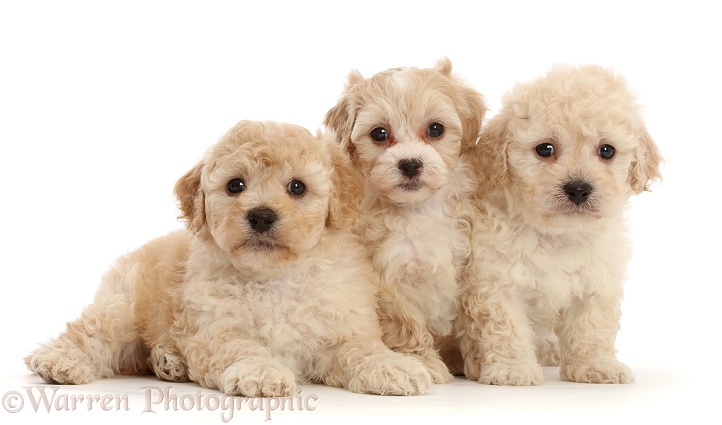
68 359
156 319
365 365
107 338
404 331
237 366
101 343
587 339
497 341
168 363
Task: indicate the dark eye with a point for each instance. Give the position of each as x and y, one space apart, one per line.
435 130
606 151
379 134
545 150
236 186
296 187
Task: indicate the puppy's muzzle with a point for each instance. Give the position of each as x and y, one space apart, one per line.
261 219
578 191
410 167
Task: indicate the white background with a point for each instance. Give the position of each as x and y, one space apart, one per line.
103 105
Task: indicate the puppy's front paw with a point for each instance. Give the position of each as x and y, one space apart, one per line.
265 377
437 369
61 365
597 371
519 374
391 374
168 365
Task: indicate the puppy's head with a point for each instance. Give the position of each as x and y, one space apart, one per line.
571 145
267 192
406 127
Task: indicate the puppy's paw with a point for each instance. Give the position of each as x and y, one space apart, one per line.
264 377
61 365
597 371
547 353
168 365
518 374
437 369
391 374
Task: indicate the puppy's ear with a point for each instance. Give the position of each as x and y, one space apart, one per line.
191 199
341 118
471 112
470 105
347 189
645 167
492 147
443 66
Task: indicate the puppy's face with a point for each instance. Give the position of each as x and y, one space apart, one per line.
405 129
571 147
266 193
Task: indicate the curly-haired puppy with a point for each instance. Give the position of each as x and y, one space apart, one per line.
562 158
411 133
267 288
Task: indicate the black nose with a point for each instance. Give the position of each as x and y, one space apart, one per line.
261 219
410 167
578 192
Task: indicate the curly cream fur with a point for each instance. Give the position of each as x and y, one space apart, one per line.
417 229
548 272
237 310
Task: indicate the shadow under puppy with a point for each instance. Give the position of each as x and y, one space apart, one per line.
267 288
411 133
561 160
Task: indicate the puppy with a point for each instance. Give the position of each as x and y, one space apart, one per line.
411 133
561 160
267 288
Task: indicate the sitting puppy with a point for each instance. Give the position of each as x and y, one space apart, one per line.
255 296
411 133
561 160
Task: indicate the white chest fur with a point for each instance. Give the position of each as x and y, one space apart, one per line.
287 316
550 270
420 255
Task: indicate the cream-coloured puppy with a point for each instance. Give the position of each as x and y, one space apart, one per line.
267 288
561 160
411 133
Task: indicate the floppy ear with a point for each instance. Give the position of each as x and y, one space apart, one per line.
472 112
492 147
191 199
470 105
341 118
347 189
645 166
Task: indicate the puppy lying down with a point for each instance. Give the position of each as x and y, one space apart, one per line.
266 288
